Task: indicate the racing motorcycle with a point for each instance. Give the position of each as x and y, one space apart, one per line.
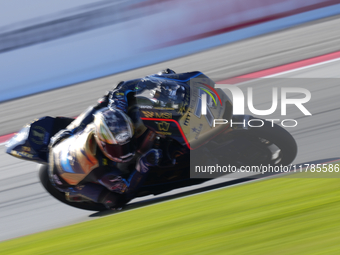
172 107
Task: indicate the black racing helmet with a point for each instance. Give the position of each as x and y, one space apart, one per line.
113 133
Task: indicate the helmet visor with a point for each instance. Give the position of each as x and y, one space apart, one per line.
120 152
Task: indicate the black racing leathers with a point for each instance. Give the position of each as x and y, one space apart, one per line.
79 168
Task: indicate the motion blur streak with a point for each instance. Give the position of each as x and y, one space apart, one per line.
79 44
26 208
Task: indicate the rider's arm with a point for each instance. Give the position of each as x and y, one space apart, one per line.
87 117
81 122
114 182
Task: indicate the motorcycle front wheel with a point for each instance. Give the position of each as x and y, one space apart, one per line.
269 144
278 141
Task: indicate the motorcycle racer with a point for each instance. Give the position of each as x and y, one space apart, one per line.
83 164
83 157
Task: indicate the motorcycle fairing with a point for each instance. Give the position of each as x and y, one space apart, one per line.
169 105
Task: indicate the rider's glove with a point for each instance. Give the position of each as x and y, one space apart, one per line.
151 158
168 71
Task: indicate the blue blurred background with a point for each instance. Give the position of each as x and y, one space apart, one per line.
50 44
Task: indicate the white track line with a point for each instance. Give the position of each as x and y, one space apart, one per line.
302 68
282 73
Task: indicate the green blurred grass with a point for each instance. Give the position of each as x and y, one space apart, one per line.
274 216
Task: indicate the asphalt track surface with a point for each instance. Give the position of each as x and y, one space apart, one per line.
26 208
